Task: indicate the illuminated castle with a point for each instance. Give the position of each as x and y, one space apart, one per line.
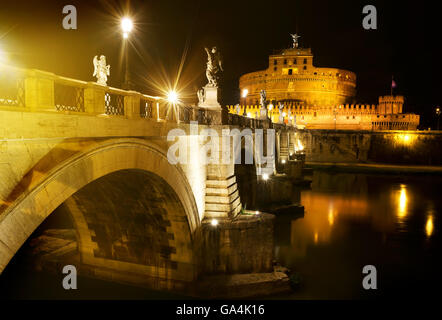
317 98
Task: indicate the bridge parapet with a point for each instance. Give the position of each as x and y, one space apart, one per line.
34 90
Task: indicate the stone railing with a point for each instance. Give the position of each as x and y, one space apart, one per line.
35 91
246 122
12 87
39 91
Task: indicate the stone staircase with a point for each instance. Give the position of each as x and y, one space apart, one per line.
222 198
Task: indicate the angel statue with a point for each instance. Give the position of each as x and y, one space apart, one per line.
263 95
201 96
263 109
295 38
281 113
238 109
101 70
214 66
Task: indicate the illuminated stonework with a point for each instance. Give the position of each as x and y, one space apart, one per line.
291 77
316 98
386 115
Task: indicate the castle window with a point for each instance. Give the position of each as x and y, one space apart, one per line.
305 61
290 71
275 62
294 61
275 68
285 61
305 68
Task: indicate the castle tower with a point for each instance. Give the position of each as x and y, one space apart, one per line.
291 77
390 104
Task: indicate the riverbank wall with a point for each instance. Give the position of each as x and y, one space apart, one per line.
421 148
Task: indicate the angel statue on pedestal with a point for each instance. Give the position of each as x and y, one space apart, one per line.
214 67
101 70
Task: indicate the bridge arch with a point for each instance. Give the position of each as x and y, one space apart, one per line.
107 161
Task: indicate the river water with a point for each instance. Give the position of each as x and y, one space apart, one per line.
392 222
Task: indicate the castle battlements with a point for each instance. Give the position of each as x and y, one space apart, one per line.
387 115
316 97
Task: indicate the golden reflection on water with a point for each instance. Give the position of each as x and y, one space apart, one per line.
429 226
335 203
402 203
321 212
331 218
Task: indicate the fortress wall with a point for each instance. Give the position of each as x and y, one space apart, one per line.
392 147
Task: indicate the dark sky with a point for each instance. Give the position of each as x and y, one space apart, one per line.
407 42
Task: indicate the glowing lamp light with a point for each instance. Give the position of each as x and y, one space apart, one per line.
214 222
256 212
172 97
283 161
265 177
244 93
125 35
126 26
3 56
249 115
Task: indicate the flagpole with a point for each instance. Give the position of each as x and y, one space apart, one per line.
391 86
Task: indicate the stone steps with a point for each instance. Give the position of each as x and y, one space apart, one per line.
222 198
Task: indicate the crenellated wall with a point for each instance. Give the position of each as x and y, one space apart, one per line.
387 115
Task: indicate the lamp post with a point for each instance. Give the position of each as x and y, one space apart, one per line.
126 27
438 116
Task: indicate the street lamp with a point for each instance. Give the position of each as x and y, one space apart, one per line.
244 94
438 116
172 97
126 27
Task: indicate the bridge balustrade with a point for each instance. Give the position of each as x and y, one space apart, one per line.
114 102
68 97
146 108
12 88
36 90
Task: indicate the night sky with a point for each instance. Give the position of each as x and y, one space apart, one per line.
407 43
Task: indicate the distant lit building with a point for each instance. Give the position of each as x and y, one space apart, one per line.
317 98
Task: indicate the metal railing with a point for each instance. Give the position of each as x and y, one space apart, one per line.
113 103
68 97
146 108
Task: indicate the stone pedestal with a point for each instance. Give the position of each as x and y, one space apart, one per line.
214 113
210 98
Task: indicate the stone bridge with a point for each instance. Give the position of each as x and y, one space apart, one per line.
100 154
